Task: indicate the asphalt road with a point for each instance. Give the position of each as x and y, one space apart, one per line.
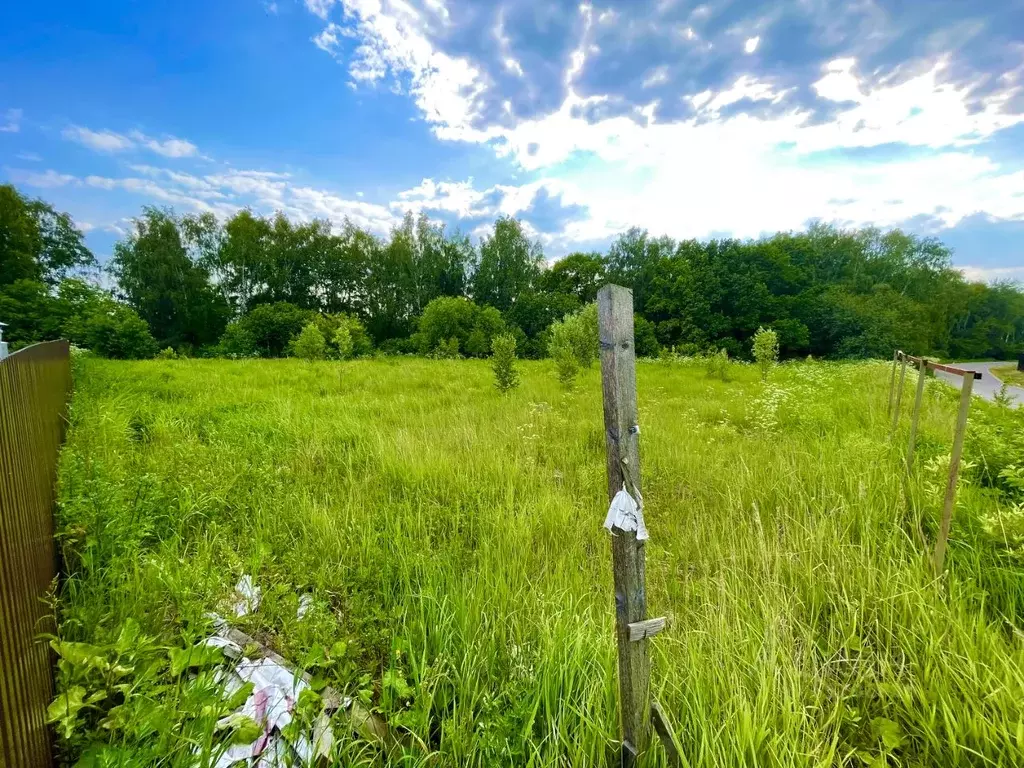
988 385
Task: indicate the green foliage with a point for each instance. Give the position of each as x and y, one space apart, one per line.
310 344
567 364
37 243
167 353
644 338
237 341
503 362
765 349
117 331
161 270
826 292
346 335
574 336
124 700
387 498
716 364
342 342
510 265
272 326
579 275
446 349
471 326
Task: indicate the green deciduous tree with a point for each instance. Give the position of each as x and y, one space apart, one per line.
310 343
510 265
766 350
161 272
473 327
503 361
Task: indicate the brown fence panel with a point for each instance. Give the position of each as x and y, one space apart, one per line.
34 387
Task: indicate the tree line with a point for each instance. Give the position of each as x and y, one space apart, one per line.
249 285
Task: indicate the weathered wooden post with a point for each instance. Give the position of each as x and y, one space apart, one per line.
622 437
892 381
954 470
922 367
899 395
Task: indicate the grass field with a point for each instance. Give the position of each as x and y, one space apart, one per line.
451 537
1009 374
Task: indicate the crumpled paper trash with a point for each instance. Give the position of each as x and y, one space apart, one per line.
626 514
247 596
276 691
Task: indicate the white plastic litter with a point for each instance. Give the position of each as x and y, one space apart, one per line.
305 603
626 514
275 693
247 596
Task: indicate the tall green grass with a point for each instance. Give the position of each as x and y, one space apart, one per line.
451 536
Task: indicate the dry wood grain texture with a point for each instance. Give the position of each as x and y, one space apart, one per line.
622 436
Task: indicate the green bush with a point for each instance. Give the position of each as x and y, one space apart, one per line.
273 326
310 344
717 364
472 326
118 332
503 361
342 342
237 341
766 350
575 335
167 353
331 324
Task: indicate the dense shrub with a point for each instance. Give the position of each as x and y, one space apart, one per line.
471 326
272 326
120 333
310 344
503 361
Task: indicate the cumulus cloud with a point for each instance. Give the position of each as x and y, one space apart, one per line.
111 142
659 115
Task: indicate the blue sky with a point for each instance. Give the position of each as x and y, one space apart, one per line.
688 119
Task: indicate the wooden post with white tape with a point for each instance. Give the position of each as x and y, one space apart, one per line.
622 440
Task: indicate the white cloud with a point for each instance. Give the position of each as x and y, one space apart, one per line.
657 76
11 121
49 179
110 141
320 8
327 40
226 192
992 274
169 147
756 158
29 157
100 141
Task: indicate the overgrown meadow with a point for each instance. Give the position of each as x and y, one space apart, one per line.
451 539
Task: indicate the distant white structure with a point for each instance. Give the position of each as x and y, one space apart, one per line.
3 344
